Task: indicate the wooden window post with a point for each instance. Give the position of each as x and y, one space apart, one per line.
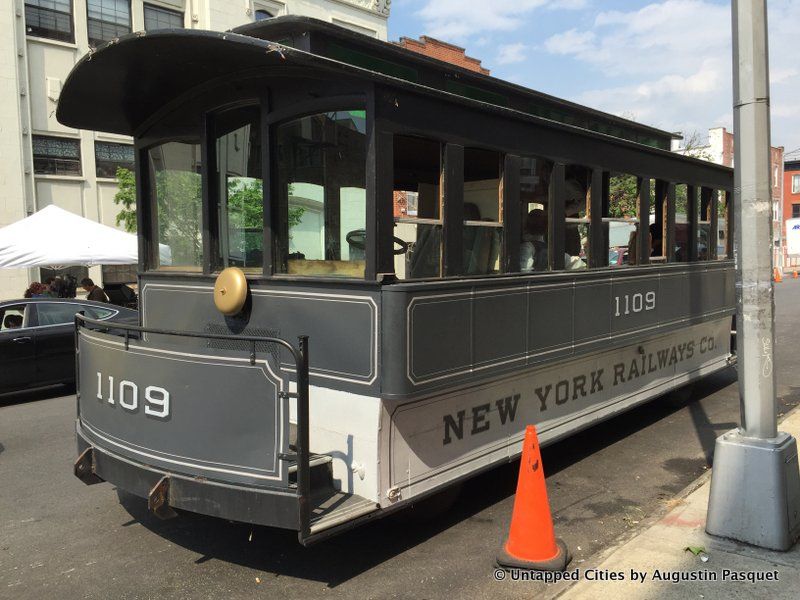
452 190
555 219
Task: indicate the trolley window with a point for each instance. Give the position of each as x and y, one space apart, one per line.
576 222
658 221
177 190
622 219
535 175
418 207
240 188
681 249
483 227
321 183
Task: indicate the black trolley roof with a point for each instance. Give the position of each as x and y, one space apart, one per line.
118 87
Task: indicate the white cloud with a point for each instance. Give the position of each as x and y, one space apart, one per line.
567 4
670 64
508 54
457 20
570 42
660 37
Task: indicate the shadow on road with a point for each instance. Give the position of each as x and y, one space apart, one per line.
344 557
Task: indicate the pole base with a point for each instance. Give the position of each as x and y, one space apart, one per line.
558 563
755 491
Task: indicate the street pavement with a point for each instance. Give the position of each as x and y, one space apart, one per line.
652 564
61 539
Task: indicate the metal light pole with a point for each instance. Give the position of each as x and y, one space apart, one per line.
755 483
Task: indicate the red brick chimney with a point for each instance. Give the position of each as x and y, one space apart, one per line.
442 51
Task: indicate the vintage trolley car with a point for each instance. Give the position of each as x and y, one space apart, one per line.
466 256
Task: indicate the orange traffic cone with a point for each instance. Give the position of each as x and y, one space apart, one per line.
531 543
777 275
794 274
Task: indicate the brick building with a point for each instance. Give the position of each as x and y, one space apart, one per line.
442 51
791 196
405 203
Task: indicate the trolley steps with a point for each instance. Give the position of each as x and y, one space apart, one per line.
320 473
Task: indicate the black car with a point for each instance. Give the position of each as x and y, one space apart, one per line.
37 345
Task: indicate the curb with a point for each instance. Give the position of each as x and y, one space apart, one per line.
597 559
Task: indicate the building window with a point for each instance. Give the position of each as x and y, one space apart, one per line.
56 156
50 19
796 211
156 18
796 184
263 15
107 19
109 156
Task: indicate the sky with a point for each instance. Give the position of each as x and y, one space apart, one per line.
667 64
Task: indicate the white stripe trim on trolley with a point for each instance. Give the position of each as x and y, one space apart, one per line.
96 433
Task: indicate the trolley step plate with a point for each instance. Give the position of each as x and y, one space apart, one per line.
320 471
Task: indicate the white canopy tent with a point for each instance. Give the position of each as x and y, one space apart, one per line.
54 237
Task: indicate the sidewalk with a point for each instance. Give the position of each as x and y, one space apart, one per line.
659 549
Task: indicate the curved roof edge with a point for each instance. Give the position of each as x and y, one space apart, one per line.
119 86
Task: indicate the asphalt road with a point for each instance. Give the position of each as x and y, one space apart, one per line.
61 539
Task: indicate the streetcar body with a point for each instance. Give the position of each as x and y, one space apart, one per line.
396 200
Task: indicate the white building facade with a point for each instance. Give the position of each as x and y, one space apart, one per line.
44 162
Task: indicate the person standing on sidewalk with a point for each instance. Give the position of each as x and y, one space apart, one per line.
96 293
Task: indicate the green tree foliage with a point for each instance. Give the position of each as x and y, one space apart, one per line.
179 198
126 197
245 205
179 195
623 193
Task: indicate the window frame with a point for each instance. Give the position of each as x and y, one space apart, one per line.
116 164
210 193
162 9
796 183
500 223
389 175
54 158
95 43
273 120
261 10
147 208
43 32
